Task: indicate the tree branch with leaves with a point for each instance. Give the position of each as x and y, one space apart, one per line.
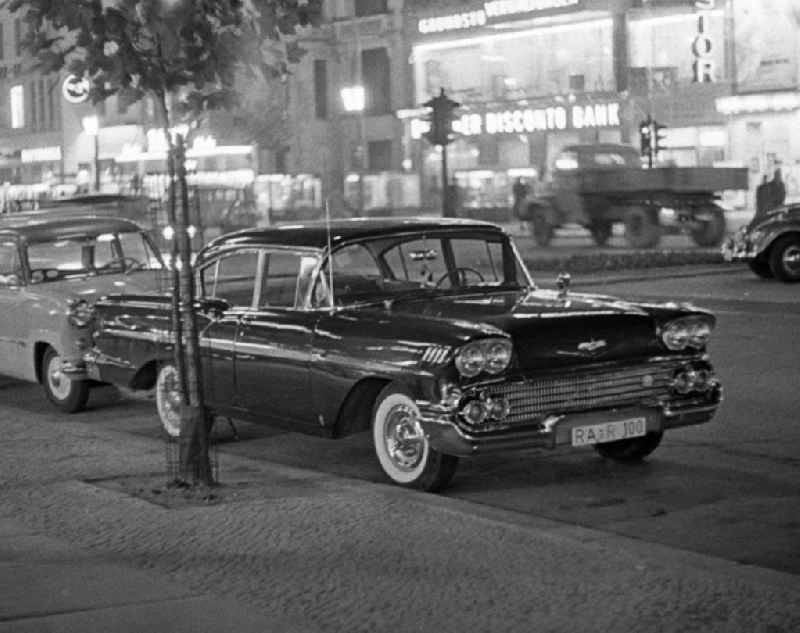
185 55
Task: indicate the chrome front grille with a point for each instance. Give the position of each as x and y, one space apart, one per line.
537 396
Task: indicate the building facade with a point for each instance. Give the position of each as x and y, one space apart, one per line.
532 76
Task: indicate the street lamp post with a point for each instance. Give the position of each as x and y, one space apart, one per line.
354 101
91 125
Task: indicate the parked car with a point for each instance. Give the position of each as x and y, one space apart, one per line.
770 244
430 333
53 266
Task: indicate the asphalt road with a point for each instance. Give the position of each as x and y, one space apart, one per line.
730 488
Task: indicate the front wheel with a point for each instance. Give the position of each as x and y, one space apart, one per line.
632 450
784 258
403 451
66 393
168 399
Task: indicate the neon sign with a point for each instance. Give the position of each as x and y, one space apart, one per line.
493 9
528 120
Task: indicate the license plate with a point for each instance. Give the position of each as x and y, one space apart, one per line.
608 431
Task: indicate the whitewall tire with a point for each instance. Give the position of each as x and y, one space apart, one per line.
403 451
66 393
168 399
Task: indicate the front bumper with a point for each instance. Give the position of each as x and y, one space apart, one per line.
445 435
739 249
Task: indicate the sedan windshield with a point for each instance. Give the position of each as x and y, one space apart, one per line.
393 268
104 254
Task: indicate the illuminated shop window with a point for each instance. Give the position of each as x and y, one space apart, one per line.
17 100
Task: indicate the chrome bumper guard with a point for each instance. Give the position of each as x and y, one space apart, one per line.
446 436
73 368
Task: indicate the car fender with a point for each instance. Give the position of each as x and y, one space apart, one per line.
768 237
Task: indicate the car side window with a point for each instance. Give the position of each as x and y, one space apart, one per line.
279 281
420 261
10 269
481 256
232 278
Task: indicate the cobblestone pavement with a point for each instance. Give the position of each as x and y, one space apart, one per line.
333 554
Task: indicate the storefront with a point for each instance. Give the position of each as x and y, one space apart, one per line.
763 117
532 77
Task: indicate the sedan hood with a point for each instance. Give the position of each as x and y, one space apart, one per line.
548 330
92 288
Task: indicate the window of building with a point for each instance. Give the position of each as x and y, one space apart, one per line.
542 61
18 37
379 155
370 7
321 88
16 97
376 79
2 41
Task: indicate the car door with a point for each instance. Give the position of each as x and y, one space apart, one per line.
231 277
12 335
273 344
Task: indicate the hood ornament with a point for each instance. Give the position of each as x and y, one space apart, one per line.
562 283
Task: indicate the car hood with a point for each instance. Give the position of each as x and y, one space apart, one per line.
546 329
92 288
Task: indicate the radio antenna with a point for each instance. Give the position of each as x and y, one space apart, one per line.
330 252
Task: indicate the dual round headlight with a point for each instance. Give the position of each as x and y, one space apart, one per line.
693 331
491 355
80 312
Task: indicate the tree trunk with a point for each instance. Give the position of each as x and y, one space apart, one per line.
195 425
195 464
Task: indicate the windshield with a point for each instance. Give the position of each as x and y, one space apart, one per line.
384 268
104 254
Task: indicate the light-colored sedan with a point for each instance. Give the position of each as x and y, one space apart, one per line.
53 266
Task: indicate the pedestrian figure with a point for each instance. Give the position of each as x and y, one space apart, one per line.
762 197
777 190
519 191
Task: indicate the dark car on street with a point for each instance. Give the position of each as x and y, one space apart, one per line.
429 333
770 244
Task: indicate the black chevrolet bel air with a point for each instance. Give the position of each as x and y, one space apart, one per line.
429 333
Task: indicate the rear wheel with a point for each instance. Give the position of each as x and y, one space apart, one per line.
543 229
641 227
403 451
784 258
761 268
601 231
632 450
710 226
66 393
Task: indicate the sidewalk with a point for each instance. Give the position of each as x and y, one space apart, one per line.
291 549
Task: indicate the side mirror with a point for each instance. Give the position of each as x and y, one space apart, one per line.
213 307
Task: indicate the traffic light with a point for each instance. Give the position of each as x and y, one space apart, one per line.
646 136
442 115
659 137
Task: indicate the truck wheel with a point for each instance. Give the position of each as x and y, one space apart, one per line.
66 393
632 450
601 231
784 258
403 451
760 268
641 227
543 229
710 226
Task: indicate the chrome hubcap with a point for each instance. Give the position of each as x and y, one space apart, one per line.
169 398
58 381
405 442
791 260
